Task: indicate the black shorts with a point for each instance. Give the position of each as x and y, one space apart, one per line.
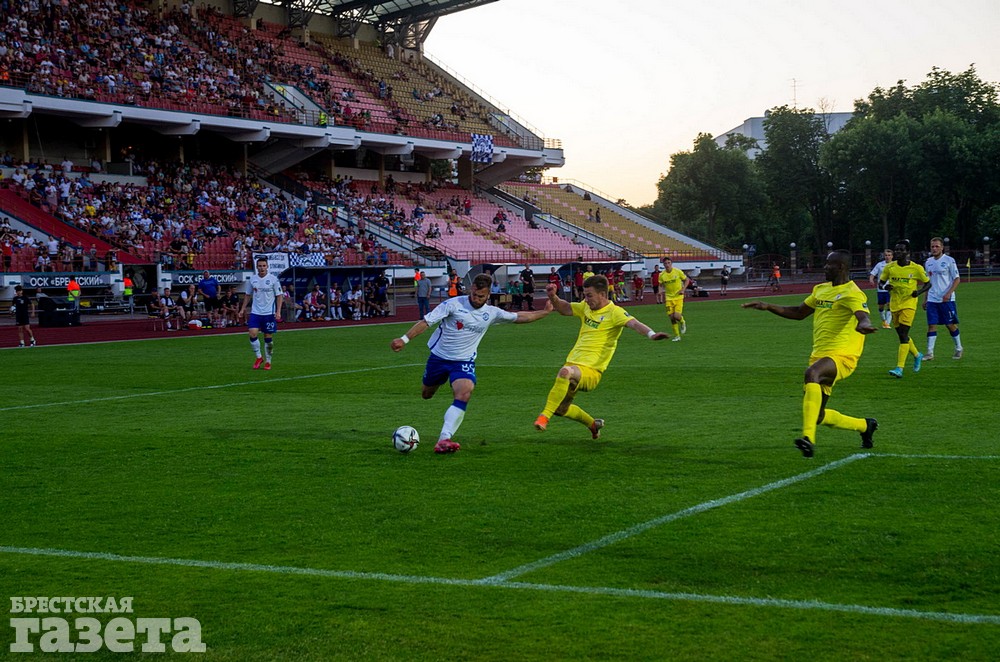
212 304
22 320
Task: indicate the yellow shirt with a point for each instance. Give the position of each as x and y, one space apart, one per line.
599 333
904 283
834 320
673 283
586 275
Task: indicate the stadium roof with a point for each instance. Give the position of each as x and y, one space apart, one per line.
388 16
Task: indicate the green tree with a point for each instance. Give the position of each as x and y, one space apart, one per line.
949 172
876 161
711 193
795 180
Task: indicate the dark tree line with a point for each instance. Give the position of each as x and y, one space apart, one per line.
912 162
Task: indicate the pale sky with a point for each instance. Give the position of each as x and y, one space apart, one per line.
624 84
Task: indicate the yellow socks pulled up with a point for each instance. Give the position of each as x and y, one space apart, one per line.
812 401
556 395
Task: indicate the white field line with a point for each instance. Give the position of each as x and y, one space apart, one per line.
618 536
524 586
906 456
235 332
210 387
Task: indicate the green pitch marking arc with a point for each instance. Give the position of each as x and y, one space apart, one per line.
210 387
618 536
986 619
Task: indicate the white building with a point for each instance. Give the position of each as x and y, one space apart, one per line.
754 128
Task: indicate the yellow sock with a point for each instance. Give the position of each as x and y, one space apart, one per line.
556 396
574 413
676 328
901 355
835 419
811 403
913 348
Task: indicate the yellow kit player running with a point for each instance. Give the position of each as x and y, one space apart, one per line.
839 330
900 278
601 324
673 281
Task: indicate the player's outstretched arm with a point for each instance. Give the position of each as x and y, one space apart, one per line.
799 312
399 343
528 316
639 327
557 304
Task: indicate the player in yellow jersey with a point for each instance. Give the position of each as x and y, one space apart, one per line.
900 278
839 329
601 324
673 281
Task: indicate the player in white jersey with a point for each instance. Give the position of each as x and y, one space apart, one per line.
264 290
874 278
940 303
462 322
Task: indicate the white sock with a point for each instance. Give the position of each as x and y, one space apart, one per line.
255 344
931 340
452 420
958 341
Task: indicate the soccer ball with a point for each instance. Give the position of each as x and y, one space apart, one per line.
405 439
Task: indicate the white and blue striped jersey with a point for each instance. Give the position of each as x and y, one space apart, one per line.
265 291
942 271
462 327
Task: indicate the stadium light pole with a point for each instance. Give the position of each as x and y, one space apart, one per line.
868 253
791 261
746 262
986 256
947 245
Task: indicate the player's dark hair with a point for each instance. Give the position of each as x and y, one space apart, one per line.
598 283
482 282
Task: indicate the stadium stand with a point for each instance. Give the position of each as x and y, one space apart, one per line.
213 210
570 205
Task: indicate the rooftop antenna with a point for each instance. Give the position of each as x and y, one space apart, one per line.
795 93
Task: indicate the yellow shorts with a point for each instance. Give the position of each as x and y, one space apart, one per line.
903 317
675 306
845 368
589 378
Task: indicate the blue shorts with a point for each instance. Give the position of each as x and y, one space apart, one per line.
883 297
439 371
265 323
943 312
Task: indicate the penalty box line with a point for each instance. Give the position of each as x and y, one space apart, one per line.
814 605
210 387
618 536
702 507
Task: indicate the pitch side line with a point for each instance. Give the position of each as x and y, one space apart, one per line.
618 536
905 456
552 588
192 389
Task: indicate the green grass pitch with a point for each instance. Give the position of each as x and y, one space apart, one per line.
272 508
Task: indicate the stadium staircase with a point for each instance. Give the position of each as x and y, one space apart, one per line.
13 204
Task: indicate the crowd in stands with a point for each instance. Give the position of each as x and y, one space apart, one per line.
107 51
182 212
